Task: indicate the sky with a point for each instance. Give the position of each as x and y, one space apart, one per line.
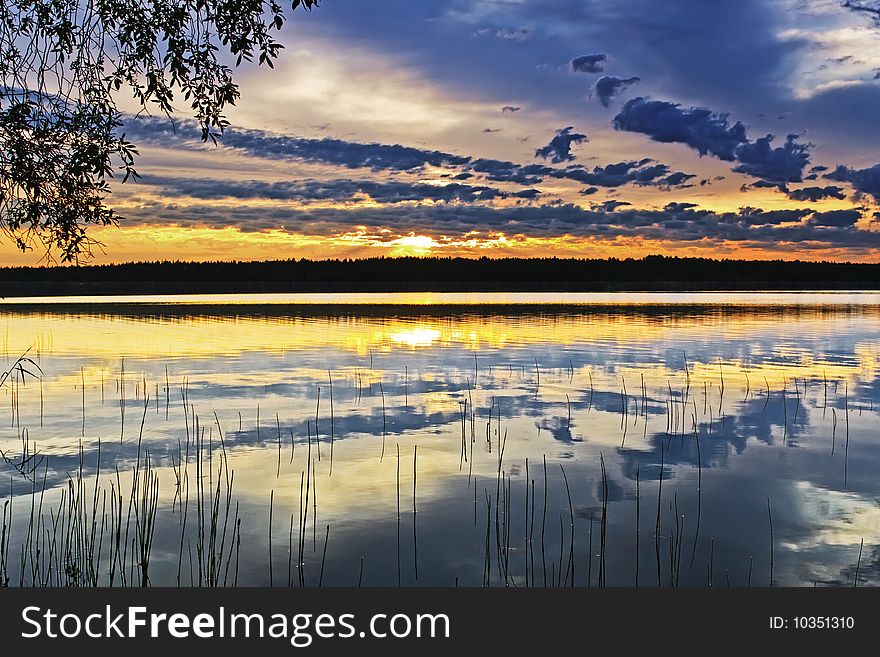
576 128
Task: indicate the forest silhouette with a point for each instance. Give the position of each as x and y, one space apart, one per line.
408 274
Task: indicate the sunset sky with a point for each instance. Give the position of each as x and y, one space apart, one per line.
589 128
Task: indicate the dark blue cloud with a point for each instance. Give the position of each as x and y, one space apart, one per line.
699 128
763 184
816 193
872 9
640 172
340 152
341 190
394 157
610 175
588 63
782 164
865 181
836 218
759 217
722 54
650 174
750 227
608 86
610 205
397 158
712 134
505 171
803 229
679 206
677 179
529 194
559 148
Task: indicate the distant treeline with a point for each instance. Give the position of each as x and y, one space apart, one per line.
436 275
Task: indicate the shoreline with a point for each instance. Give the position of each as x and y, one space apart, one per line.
439 275
9 291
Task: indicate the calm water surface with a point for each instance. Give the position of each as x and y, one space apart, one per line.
720 420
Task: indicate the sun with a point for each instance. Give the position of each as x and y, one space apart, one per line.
413 245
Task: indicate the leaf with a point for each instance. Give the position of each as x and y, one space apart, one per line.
66 146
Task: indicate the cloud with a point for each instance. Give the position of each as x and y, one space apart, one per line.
508 34
727 53
612 175
836 218
445 222
865 181
608 86
699 128
610 205
650 174
763 184
505 171
588 63
712 134
781 164
529 194
342 190
677 179
403 159
679 206
872 10
816 193
641 172
514 34
259 143
559 148
759 217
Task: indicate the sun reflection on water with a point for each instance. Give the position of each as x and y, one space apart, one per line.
753 402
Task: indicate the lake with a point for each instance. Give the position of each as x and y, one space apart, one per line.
615 439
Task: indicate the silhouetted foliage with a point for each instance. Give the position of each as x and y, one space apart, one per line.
63 64
439 274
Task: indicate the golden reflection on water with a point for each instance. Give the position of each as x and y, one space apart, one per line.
819 297
233 358
103 339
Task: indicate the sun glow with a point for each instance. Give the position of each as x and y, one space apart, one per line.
421 336
413 245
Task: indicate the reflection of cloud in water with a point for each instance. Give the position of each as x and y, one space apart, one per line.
559 428
750 447
839 518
